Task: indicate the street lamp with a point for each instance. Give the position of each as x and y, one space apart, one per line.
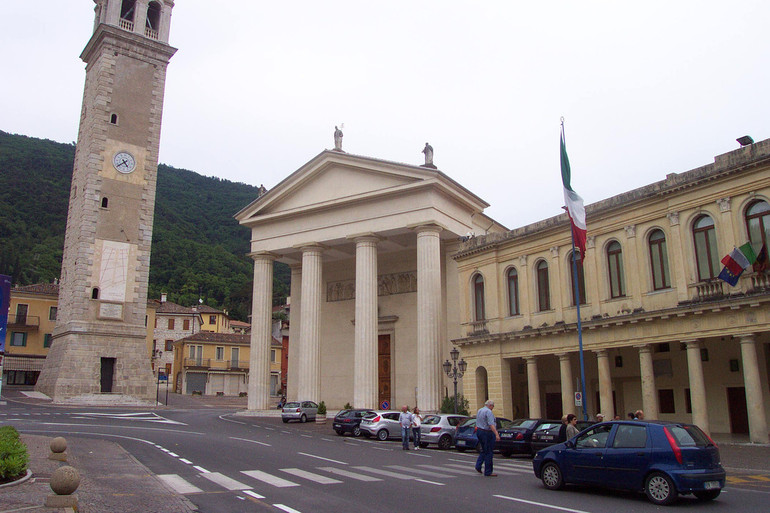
455 369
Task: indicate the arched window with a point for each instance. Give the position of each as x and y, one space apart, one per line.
114 119
105 202
127 10
95 293
153 16
706 255
513 292
661 279
543 287
615 267
478 298
758 224
580 280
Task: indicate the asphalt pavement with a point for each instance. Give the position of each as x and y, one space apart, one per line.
112 480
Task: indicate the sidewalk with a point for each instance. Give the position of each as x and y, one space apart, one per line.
110 480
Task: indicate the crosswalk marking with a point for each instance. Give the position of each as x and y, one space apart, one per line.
253 494
429 473
225 482
178 484
352 475
463 472
383 472
502 471
269 478
310 476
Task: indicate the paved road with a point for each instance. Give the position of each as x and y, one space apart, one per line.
222 462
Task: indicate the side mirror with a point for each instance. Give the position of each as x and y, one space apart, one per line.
570 444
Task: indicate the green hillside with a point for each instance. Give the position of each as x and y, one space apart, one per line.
198 248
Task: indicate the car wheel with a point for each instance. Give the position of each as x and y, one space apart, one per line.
382 435
285 421
303 418
445 442
356 431
338 431
660 489
707 495
506 452
551 476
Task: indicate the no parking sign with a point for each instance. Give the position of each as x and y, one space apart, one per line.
578 399
384 405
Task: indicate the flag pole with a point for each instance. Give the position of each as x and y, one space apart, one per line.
577 304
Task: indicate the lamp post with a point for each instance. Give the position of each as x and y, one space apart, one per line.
455 369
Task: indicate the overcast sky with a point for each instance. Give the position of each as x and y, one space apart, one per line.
256 88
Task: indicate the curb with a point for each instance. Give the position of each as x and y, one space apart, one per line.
18 481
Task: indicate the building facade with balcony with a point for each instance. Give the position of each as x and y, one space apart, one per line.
218 364
660 331
172 322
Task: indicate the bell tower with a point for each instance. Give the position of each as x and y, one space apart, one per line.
99 343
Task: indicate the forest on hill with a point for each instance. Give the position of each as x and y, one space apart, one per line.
198 248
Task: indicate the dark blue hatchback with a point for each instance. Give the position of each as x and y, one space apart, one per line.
662 459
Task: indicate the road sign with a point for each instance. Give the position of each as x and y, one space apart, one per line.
578 399
384 405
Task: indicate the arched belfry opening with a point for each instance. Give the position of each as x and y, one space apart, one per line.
153 16
128 10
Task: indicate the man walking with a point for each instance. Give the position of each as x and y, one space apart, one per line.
486 430
405 419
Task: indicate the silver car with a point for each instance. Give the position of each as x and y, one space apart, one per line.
440 429
382 424
299 410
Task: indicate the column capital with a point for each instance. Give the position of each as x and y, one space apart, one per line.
563 356
531 359
644 348
747 338
264 255
427 227
365 237
600 353
310 246
691 343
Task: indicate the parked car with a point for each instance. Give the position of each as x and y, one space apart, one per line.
299 410
349 421
466 438
382 424
553 432
440 429
661 458
516 437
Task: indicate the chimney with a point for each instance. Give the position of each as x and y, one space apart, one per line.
163 297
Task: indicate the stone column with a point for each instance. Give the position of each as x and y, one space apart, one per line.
309 350
261 336
533 387
754 397
365 350
649 394
697 386
605 384
140 16
567 386
428 317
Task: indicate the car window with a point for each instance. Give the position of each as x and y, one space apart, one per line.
688 436
453 421
628 436
291 405
525 423
593 438
431 419
391 416
469 423
504 424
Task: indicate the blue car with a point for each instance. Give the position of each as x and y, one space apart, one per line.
465 437
662 459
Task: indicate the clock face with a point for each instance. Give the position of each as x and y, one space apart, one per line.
124 162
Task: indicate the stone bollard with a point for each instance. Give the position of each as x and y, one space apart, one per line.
58 449
64 481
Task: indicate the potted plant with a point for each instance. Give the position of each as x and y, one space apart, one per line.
320 417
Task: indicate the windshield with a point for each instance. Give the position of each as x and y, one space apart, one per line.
291 405
468 423
525 423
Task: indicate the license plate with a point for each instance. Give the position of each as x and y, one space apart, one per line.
711 485
337 425
506 435
547 438
461 442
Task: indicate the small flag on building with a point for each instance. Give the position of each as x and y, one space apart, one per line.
761 263
575 208
737 261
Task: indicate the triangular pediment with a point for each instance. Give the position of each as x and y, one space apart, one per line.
335 178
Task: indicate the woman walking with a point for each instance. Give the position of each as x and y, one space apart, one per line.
416 423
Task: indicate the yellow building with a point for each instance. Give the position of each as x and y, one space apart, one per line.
31 319
213 320
660 332
218 364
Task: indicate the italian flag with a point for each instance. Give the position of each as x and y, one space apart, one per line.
573 201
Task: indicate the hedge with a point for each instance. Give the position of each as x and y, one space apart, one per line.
13 455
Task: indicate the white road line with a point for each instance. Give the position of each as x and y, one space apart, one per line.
269 428
173 454
429 482
226 482
328 439
253 494
507 472
178 484
428 473
415 455
268 478
287 509
541 504
200 469
382 449
306 436
322 458
222 417
444 469
185 461
384 472
352 475
310 476
252 441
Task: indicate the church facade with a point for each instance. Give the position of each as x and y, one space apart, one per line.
374 286
660 331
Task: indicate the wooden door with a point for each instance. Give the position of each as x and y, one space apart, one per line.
739 414
383 372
